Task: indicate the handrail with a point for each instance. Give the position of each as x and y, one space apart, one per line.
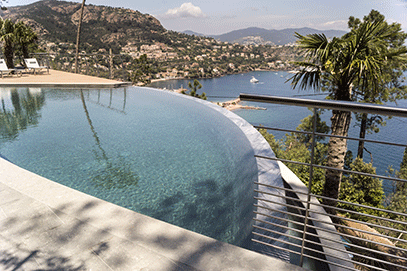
314 231
334 105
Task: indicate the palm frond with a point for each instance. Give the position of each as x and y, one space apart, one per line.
308 76
314 44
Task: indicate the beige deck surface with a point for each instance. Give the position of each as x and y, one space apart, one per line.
58 79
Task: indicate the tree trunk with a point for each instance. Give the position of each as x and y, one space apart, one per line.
9 55
24 49
78 37
362 134
336 156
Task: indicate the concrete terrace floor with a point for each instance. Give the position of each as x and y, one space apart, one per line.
58 79
48 226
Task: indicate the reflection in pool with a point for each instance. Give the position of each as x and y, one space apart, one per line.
151 151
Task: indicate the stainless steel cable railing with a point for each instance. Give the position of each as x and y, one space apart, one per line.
351 236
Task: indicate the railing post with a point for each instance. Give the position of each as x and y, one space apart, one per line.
311 177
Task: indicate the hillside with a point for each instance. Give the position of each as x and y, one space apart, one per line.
140 44
107 27
103 27
254 35
190 32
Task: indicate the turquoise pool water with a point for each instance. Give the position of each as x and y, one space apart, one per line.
151 151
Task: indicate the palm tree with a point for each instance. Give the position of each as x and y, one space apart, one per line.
24 37
391 89
7 35
357 58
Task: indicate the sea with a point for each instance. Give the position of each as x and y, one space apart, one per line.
275 83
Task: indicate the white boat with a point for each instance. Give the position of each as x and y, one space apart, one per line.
254 80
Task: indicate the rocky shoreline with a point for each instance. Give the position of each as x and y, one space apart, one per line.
235 104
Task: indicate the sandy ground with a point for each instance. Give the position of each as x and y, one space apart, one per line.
55 77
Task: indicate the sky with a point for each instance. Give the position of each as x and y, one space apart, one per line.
214 17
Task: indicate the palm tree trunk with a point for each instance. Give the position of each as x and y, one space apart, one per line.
362 135
24 49
78 35
336 156
9 55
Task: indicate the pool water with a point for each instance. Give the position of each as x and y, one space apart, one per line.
154 152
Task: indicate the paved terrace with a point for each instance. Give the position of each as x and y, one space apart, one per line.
58 79
48 226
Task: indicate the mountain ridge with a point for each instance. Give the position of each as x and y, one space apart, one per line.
103 27
277 37
257 35
108 27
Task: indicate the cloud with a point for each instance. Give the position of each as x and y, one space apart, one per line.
340 24
186 10
402 4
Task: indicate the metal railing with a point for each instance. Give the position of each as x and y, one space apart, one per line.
351 237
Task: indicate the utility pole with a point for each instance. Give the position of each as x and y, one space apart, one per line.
78 37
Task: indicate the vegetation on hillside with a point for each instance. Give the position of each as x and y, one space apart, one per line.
194 87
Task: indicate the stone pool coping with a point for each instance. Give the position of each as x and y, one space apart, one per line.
334 251
275 174
46 225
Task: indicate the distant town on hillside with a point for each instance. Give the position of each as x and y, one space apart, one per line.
148 51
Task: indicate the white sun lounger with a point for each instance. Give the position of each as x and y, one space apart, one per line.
4 70
32 64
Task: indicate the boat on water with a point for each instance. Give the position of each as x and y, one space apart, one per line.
254 80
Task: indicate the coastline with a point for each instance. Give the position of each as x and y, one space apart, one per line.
235 104
222 75
230 105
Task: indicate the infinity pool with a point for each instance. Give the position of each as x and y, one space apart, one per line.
164 155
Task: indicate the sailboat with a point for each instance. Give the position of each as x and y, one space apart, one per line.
254 80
